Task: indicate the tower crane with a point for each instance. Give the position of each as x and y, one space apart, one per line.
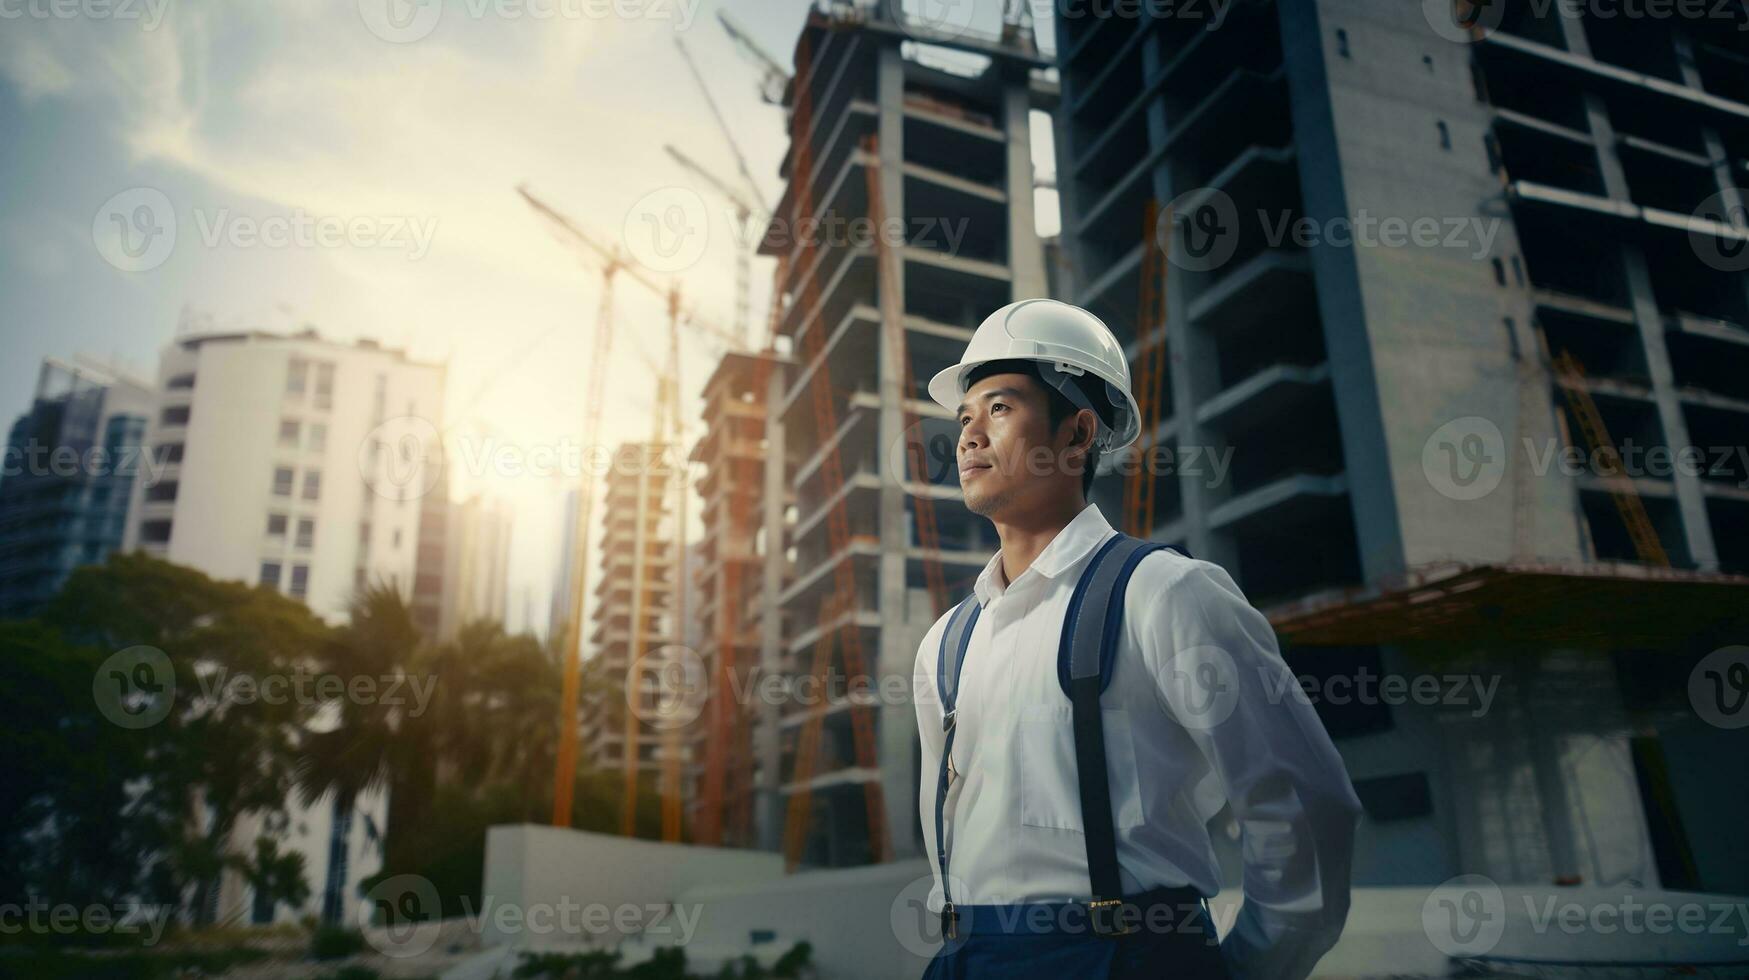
613 263
773 80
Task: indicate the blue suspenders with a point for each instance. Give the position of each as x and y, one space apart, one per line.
1086 652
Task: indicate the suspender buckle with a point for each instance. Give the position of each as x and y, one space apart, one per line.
949 921
1113 917
947 721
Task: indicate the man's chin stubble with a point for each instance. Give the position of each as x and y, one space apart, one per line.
988 504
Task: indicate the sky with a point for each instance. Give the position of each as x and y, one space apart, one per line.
351 165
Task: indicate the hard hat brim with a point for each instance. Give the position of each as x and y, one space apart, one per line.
947 391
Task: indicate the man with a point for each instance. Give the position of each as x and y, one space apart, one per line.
1199 710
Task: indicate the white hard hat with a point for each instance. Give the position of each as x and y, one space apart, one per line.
1066 341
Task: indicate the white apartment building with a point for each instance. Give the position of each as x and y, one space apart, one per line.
296 463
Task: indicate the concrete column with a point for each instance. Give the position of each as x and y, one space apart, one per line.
1026 260
1366 456
768 806
896 727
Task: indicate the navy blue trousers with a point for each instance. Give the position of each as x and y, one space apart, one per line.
1058 957
1020 955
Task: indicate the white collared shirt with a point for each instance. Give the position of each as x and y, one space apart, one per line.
1200 710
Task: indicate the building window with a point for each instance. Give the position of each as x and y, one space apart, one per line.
170 452
155 532
282 481
276 525
300 581
288 433
297 373
174 415
159 493
325 386
312 484
180 382
318 439
270 574
306 533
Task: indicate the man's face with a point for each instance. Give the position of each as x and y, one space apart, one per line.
1008 455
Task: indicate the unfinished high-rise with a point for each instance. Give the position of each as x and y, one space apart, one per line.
939 127
635 610
729 597
1409 257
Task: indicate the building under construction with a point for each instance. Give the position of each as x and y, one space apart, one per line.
729 594
931 144
635 616
1389 404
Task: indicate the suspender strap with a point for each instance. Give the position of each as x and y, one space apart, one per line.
1085 656
955 638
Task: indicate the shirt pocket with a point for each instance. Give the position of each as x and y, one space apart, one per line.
1050 793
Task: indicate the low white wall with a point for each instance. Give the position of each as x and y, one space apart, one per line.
546 886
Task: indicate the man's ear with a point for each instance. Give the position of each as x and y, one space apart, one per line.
1084 428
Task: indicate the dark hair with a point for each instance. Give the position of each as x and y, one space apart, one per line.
1058 405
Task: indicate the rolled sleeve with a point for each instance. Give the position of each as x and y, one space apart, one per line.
1221 676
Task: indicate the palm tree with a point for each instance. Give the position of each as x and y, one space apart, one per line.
362 745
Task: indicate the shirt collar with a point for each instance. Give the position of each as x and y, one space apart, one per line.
1071 544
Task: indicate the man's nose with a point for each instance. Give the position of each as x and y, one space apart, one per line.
972 436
